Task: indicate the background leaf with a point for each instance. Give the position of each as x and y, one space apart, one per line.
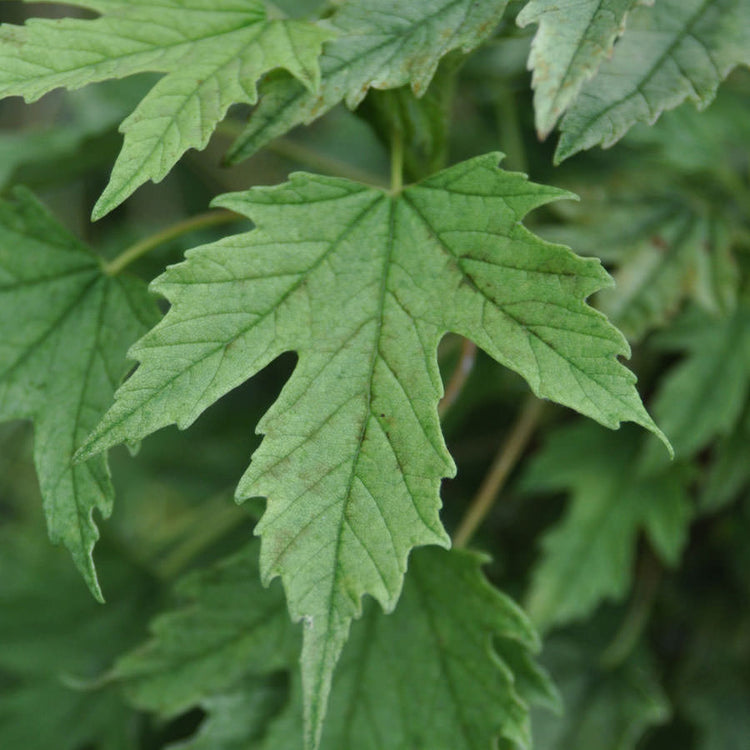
65 327
572 41
212 52
675 50
382 44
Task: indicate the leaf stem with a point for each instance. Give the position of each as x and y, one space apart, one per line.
505 460
460 376
146 245
397 162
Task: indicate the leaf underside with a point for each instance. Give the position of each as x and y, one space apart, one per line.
363 285
673 51
212 51
572 41
64 330
383 44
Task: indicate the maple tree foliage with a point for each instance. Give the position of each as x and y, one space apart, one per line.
411 304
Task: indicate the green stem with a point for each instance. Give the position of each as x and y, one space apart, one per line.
397 162
506 459
146 245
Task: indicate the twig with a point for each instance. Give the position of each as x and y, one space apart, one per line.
460 376
507 457
209 219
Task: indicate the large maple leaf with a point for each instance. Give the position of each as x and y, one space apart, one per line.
362 284
65 327
213 52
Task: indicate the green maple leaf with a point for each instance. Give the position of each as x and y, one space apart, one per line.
227 626
453 657
65 327
362 285
573 40
675 50
382 44
213 52
443 671
588 556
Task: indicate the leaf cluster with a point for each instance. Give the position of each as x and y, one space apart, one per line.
382 321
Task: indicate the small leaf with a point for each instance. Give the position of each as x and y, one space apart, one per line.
64 330
362 285
573 40
383 44
675 50
212 52
588 556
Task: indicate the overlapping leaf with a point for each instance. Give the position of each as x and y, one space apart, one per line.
382 44
65 327
588 556
229 626
213 52
362 285
675 50
573 40
448 669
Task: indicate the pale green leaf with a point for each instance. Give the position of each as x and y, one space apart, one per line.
383 44
362 285
227 626
213 52
65 328
588 556
675 50
429 675
573 40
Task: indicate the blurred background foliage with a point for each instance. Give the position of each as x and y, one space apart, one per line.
637 571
